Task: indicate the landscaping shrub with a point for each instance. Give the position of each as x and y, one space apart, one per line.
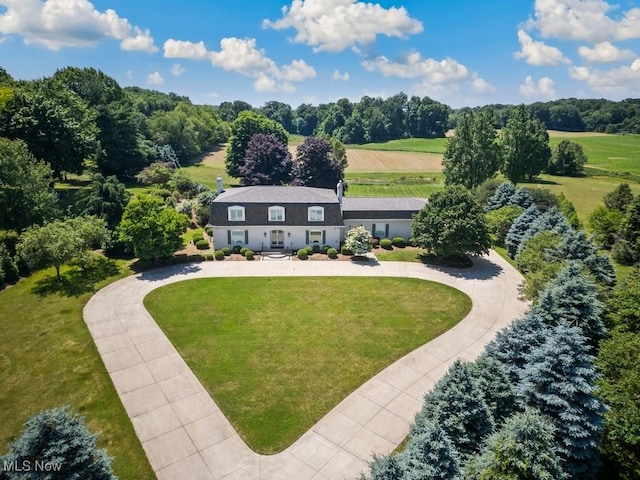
412 242
325 248
219 254
398 242
310 250
249 254
302 254
226 251
386 243
209 230
197 237
332 253
315 248
345 251
243 251
208 256
202 244
236 249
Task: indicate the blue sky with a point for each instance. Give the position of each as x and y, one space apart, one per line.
460 52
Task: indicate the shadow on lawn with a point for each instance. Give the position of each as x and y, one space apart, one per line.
78 280
478 268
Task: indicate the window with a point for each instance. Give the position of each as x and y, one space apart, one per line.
276 214
315 236
316 214
236 214
237 237
380 230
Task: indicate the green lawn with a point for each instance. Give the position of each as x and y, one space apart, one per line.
393 184
425 145
278 353
48 359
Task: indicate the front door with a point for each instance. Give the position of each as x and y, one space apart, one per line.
277 239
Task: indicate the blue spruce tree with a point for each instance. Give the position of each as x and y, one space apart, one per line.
552 221
559 380
522 198
501 197
494 385
429 456
385 468
519 228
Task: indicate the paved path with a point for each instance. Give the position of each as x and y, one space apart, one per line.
184 433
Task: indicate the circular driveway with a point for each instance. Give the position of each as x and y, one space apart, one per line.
185 434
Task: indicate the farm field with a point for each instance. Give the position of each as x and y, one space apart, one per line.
296 367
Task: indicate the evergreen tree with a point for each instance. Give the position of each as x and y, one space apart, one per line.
619 199
494 385
571 298
501 197
523 449
631 228
551 221
624 303
385 468
429 455
58 437
106 199
513 344
522 198
559 380
519 228
456 403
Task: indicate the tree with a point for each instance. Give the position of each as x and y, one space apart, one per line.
499 221
384 468
525 146
631 228
61 241
429 455
316 165
523 448
567 159
472 155
559 380
152 229
61 440
494 385
619 199
106 199
501 197
158 173
359 240
267 161
279 112
539 262
26 194
550 221
452 223
242 129
606 225
519 229
624 313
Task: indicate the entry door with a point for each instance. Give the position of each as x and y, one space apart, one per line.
277 239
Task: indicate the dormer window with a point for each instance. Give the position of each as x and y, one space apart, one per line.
316 214
236 213
276 214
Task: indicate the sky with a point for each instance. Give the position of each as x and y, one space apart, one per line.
459 52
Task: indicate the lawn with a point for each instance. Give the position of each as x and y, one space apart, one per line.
423 145
48 359
278 353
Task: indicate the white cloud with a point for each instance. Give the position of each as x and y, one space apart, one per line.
341 77
545 88
604 52
177 70
188 50
55 24
584 20
622 81
537 53
434 72
155 78
334 25
480 85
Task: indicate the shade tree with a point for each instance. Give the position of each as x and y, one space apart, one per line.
316 165
568 159
267 161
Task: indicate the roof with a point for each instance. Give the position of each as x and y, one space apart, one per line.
275 195
381 207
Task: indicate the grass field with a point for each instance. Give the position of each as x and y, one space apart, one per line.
277 355
423 145
48 359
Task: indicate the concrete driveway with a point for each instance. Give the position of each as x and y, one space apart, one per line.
184 433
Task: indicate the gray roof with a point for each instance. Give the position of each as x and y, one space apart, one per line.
381 207
275 195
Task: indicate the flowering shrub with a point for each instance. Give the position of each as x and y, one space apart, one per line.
359 240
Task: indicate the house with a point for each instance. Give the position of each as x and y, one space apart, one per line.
287 217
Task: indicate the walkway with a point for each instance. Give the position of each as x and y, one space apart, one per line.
184 433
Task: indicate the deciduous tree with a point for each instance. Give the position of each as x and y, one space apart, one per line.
315 164
267 161
568 159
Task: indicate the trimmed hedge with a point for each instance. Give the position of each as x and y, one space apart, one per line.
386 243
219 254
398 242
325 249
202 244
243 251
346 251
332 253
249 254
302 254
226 251
197 237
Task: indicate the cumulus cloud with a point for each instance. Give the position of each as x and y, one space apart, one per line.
177 69
341 77
624 81
586 20
55 24
155 78
537 53
544 88
187 50
604 52
480 85
334 25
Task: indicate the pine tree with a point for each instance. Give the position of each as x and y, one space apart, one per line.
429 456
384 468
501 197
522 198
495 387
58 437
513 344
523 448
456 403
559 380
573 299
552 221
519 229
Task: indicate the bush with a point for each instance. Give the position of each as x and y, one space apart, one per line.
197 237
499 221
302 254
243 251
310 251
412 242
332 253
345 251
219 254
208 256
226 251
315 248
202 244
325 248
398 242
236 249
386 243
249 254
623 253
209 230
